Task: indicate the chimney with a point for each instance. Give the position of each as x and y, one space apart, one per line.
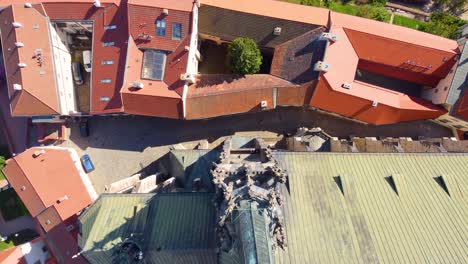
27 5
17 24
37 153
19 44
62 199
97 3
17 87
165 11
22 65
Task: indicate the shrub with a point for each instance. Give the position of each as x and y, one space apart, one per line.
443 24
243 56
373 12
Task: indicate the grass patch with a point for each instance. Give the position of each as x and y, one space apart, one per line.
407 22
19 238
11 205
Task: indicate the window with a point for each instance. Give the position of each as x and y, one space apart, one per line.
153 64
176 31
105 98
107 62
161 28
109 27
106 80
108 44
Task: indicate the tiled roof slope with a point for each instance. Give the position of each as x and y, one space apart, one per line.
229 24
181 5
31 177
398 33
113 15
39 92
208 84
186 218
459 87
294 60
368 221
275 9
156 98
142 21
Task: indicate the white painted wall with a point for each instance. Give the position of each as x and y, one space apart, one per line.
63 72
192 63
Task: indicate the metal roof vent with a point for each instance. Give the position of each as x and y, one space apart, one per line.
165 11
17 24
263 104
346 85
137 84
277 31
375 103
22 65
19 44
97 3
321 66
62 199
17 87
441 181
27 5
339 183
23 188
392 183
48 222
330 37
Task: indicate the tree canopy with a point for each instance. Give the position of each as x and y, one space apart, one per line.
244 56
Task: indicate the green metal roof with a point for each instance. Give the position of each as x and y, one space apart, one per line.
169 227
370 222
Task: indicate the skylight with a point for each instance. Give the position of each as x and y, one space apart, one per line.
153 64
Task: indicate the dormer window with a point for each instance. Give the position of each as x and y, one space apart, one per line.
161 28
176 31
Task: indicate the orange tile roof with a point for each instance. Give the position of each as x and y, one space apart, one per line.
209 84
39 92
394 32
276 9
182 5
156 98
50 179
12 256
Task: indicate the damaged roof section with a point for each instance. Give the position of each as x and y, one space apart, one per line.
294 60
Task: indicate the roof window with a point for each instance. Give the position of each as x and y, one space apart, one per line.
154 62
161 28
110 27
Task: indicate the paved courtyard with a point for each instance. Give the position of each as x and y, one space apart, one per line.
122 146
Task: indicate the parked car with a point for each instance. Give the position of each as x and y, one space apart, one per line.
87 163
87 60
84 128
77 75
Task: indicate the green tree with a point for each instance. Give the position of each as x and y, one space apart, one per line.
378 13
443 24
244 56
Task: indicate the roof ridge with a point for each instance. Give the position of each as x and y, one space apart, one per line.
40 100
401 41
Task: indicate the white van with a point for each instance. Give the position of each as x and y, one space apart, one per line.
87 60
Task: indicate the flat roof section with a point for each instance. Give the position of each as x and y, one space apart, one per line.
276 9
